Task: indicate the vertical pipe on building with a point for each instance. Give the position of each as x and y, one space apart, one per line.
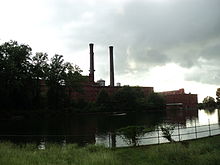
91 71
111 66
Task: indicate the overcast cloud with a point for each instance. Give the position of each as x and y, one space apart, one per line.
145 33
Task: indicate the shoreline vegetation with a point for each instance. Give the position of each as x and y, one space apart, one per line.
202 151
211 103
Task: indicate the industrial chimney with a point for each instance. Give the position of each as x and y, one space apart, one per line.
91 71
111 67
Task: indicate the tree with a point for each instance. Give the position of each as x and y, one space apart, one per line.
21 77
156 101
73 81
56 71
73 78
55 82
103 100
40 65
209 102
132 134
15 75
125 99
62 79
39 73
167 131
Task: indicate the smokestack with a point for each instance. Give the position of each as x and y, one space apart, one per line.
91 70
111 67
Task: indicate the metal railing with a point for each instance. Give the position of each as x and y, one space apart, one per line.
179 134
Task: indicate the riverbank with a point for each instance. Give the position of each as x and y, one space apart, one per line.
203 151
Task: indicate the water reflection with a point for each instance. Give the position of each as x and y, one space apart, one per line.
206 116
98 128
209 111
185 125
182 116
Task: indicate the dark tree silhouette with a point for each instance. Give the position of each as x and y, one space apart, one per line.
15 75
22 76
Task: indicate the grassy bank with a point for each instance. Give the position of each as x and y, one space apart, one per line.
204 151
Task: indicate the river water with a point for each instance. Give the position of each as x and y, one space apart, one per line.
102 128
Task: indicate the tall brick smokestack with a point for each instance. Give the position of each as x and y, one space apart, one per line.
91 70
111 66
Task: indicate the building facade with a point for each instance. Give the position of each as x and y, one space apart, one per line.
176 99
179 99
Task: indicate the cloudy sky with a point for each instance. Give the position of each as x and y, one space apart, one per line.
167 44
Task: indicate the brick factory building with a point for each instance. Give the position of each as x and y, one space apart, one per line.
174 99
91 88
179 99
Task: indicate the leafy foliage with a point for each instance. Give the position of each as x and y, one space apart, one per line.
209 102
129 99
15 75
132 133
39 73
156 101
22 75
167 131
103 101
125 99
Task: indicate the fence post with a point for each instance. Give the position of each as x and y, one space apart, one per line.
158 133
209 129
109 139
195 130
179 131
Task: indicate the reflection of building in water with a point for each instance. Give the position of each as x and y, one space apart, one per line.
181 116
208 116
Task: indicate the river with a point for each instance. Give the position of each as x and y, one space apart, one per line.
99 128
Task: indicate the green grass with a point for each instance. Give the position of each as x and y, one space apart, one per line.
202 152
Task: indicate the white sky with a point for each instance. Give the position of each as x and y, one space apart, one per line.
167 44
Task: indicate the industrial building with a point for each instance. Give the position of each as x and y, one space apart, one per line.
174 99
91 88
178 99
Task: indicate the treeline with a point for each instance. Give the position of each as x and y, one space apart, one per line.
129 99
21 76
210 102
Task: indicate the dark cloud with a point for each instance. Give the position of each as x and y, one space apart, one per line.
206 75
149 56
145 33
211 52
